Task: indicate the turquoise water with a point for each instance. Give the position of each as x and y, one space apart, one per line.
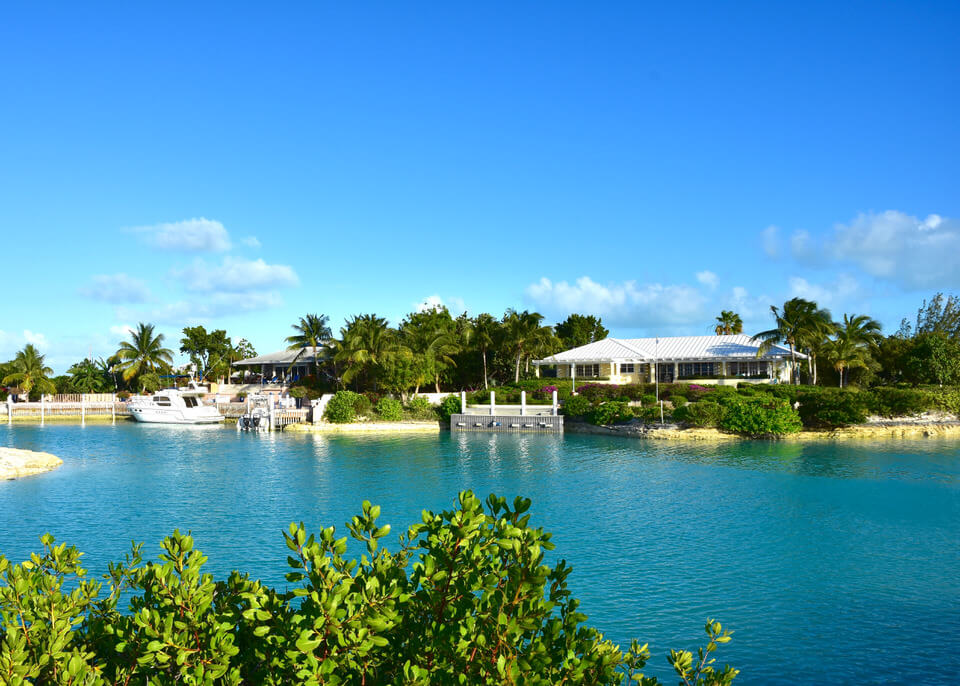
833 562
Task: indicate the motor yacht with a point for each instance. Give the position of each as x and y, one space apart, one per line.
173 406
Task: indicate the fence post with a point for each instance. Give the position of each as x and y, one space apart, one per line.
9 409
554 403
113 409
493 403
463 402
83 411
42 407
273 416
523 403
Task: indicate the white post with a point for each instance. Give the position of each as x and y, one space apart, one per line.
661 412
523 403
493 403
42 407
113 409
83 412
554 403
463 402
573 378
273 416
9 409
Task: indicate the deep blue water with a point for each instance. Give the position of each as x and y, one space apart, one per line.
833 562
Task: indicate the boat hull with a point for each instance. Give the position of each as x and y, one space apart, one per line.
174 416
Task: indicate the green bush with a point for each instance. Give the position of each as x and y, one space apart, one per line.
648 399
702 413
761 415
420 408
946 399
362 405
678 400
577 406
610 412
340 408
465 597
832 407
650 414
449 406
298 392
897 402
390 409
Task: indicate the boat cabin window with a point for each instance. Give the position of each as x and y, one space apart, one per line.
161 400
190 401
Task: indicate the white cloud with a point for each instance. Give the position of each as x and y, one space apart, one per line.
914 253
707 278
190 235
801 245
116 288
37 339
830 294
121 331
211 306
236 275
622 304
771 241
454 305
250 242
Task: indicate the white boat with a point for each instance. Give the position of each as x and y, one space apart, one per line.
173 406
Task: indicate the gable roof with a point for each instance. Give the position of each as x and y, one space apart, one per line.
668 348
283 357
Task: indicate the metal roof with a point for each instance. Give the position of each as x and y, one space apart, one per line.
735 346
283 357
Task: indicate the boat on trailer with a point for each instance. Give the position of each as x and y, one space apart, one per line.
173 406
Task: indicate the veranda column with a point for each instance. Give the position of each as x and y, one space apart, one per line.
676 370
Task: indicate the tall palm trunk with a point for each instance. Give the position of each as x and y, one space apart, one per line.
484 352
516 373
795 378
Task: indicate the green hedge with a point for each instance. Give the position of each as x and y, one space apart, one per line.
340 408
610 412
390 409
704 413
464 597
760 416
832 407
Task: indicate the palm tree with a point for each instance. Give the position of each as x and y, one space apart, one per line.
486 330
365 341
87 376
523 333
311 332
430 336
30 371
728 322
851 347
801 324
143 354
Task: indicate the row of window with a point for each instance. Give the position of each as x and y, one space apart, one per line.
690 369
697 369
748 369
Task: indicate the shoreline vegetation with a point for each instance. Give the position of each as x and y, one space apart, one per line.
384 617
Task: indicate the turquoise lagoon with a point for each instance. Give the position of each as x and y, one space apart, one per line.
834 562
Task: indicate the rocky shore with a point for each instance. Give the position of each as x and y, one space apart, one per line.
16 463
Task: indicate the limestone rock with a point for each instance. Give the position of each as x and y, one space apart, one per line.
15 463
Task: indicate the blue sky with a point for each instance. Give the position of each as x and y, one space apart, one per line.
239 165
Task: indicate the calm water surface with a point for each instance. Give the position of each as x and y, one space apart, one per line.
833 562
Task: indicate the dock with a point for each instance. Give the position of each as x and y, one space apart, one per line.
494 418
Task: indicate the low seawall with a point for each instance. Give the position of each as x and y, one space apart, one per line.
540 424
365 427
15 463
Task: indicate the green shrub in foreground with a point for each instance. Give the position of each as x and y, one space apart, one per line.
465 598
390 409
610 412
703 414
760 415
340 408
577 406
449 406
832 407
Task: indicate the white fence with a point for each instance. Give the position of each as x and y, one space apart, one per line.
51 407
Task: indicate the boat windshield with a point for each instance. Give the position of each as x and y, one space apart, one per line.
190 401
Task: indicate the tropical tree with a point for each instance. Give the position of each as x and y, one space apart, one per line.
242 350
728 322
209 351
143 355
30 372
88 377
486 332
800 324
579 329
855 340
312 332
365 341
430 336
523 333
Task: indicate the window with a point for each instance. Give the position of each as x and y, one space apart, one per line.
626 368
695 369
190 401
161 400
588 370
748 369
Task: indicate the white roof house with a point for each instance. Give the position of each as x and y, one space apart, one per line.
633 360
